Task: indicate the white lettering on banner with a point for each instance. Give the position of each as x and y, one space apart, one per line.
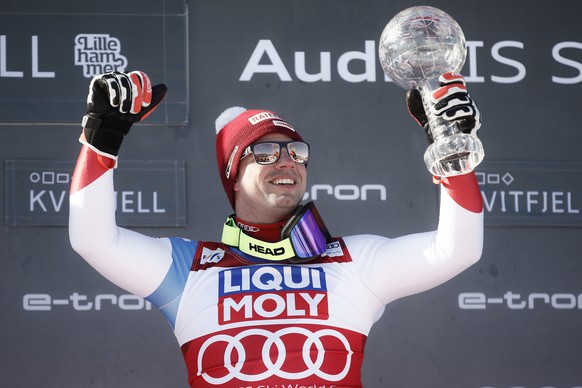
472 60
40 199
346 192
49 177
557 55
514 301
80 302
52 200
524 201
275 64
98 54
133 202
556 202
265 59
35 68
506 61
369 59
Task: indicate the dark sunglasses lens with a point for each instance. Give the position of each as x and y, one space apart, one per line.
266 153
298 151
307 237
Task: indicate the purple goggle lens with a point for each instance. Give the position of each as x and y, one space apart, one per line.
308 233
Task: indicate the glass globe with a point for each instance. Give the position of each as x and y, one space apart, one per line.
417 46
419 43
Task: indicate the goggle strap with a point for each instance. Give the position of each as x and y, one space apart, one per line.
230 233
277 251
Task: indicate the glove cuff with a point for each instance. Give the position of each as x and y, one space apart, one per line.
100 136
105 160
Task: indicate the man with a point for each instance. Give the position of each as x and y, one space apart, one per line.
278 302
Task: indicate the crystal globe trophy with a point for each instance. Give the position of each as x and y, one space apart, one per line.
417 46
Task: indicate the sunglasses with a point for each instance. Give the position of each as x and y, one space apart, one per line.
268 152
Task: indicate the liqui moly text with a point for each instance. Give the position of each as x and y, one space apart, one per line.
272 292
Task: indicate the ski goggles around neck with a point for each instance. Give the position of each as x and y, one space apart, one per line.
304 237
268 152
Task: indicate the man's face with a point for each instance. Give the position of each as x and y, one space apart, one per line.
268 193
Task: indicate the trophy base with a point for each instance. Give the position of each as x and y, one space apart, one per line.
454 155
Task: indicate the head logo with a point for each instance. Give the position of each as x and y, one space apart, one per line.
98 54
266 250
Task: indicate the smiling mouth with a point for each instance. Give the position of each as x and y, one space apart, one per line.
283 182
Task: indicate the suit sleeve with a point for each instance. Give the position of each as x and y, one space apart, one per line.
394 268
133 261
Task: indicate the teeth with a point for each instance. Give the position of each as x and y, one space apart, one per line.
283 182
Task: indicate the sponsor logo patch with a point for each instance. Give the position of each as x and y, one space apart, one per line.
280 123
272 292
259 117
333 249
211 255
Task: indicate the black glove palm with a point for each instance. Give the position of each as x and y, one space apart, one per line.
115 102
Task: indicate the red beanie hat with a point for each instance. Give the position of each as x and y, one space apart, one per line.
236 129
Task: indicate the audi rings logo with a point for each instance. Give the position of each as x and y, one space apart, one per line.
275 367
